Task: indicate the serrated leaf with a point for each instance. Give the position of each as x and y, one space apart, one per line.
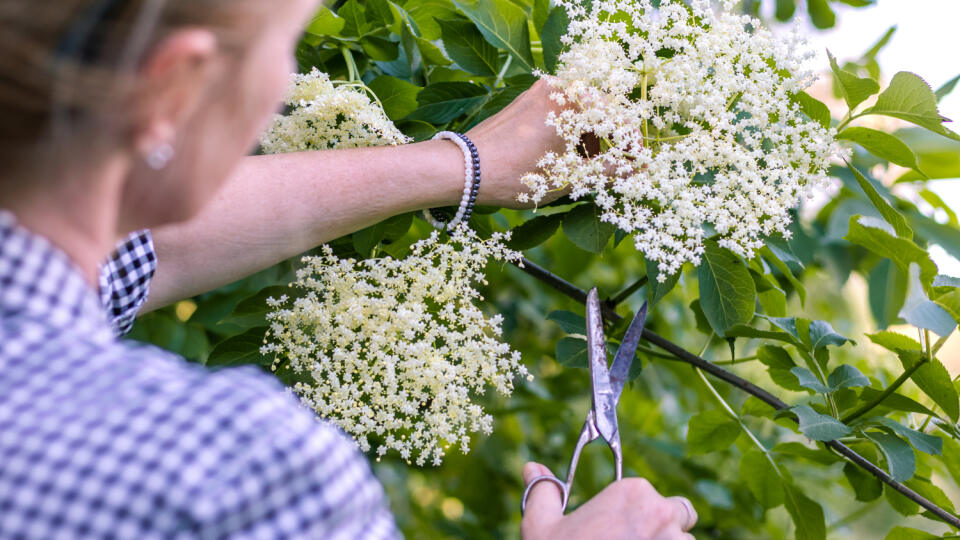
399 98
855 90
901 461
866 487
895 342
532 233
572 352
847 376
584 228
569 322
883 145
919 311
910 98
906 533
950 303
727 292
762 478
354 18
807 515
442 102
711 431
823 334
659 290
889 213
813 107
806 379
503 24
554 29
240 350
924 442
467 47
819 427
872 235
887 288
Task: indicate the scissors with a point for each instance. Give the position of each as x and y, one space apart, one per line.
607 384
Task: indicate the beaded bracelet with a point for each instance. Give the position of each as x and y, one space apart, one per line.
471 181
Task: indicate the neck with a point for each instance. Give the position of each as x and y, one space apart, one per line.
79 215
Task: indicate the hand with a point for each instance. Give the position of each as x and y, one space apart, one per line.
629 509
511 143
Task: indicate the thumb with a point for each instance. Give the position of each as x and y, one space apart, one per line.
544 502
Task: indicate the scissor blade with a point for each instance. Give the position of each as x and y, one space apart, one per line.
604 400
628 349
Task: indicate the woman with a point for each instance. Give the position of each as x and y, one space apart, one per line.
127 115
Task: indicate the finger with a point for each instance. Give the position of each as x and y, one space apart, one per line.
545 501
686 512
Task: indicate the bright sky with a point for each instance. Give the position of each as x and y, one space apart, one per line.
926 43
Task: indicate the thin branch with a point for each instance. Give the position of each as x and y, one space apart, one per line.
624 294
683 355
886 393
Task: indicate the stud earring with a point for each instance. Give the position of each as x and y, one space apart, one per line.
158 158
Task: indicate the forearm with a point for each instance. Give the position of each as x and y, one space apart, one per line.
276 206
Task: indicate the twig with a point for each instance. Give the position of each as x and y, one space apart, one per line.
683 355
624 294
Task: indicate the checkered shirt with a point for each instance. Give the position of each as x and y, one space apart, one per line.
101 438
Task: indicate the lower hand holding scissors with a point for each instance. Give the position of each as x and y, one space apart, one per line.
607 384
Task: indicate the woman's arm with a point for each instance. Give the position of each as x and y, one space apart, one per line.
279 205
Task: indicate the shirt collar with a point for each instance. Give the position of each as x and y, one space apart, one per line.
40 282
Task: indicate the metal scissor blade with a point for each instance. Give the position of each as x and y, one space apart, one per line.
628 349
604 400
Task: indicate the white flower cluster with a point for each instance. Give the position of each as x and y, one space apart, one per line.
698 124
324 116
396 349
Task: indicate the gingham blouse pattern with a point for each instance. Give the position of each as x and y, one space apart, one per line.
101 438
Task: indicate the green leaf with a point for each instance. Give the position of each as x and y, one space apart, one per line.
762 478
823 334
887 292
798 449
950 303
572 352
727 292
366 239
504 24
569 322
938 157
906 533
466 46
877 236
774 257
779 366
252 310
924 442
883 145
325 23
534 232
554 29
898 502
932 377
711 431
847 376
399 98
855 90
901 461
659 290
819 427
807 515
806 379
240 350
866 487
910 98
785 10
919 311
442 102
895 342
380 49
753 406
355 19
822 17
897 402
947 87
584 228
813 108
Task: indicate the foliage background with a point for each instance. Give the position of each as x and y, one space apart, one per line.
447 64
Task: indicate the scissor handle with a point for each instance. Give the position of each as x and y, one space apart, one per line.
564 489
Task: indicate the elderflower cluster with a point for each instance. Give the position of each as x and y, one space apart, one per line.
324 116
396 349
698 122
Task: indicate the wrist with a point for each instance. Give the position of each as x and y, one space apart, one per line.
442 164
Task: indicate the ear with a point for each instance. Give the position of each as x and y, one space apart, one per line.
171 84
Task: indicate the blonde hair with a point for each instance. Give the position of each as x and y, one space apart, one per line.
63 63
